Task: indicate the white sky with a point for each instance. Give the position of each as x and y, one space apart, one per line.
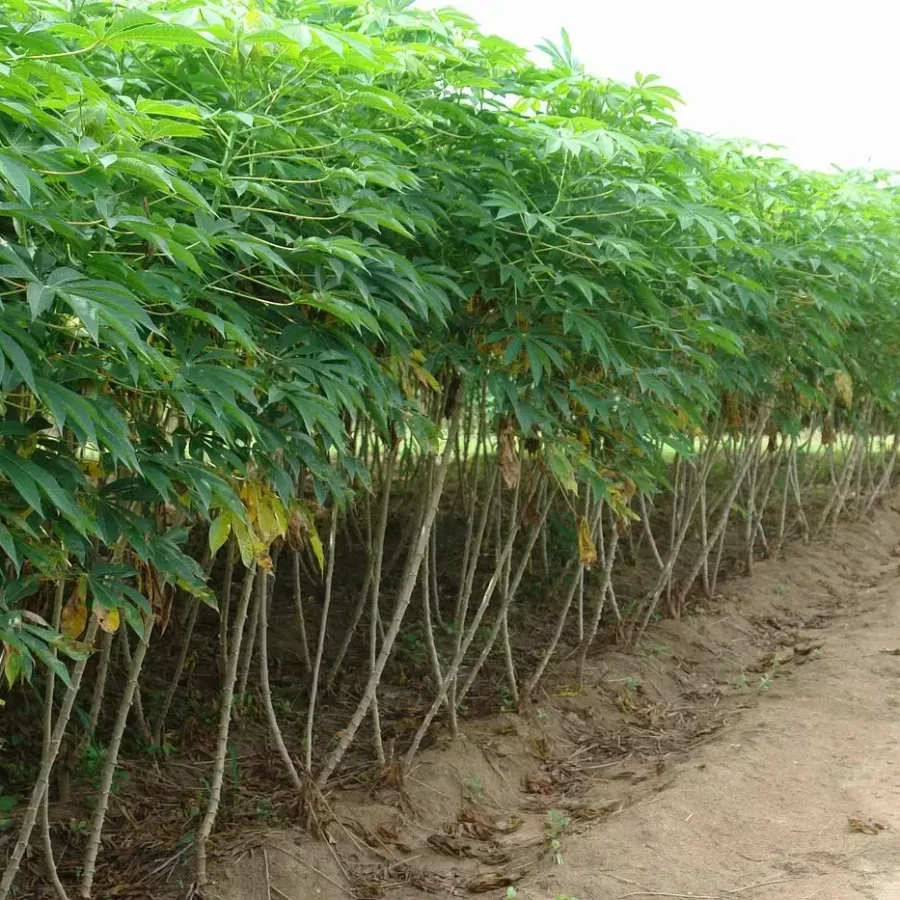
820 78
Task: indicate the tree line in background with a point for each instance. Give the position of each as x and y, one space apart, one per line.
294 287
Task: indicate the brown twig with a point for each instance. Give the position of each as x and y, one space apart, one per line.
758 884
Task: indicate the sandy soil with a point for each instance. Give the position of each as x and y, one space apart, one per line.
745 752
765 812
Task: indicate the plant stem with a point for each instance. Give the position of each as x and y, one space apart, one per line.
50 862
41 783
320 646
112 760
407 586
225 704
265 688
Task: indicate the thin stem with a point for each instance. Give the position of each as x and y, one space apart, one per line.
320 646
42 781
264 687
225 705
112 760
46 837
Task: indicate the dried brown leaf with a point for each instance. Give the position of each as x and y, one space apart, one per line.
587 552
491 881
865 826
510 467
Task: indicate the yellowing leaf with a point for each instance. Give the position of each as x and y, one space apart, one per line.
316 543
569 690
74 615
625 515
587 552
107 619
426 378
13 665
94 471
281 515
843 385
271 519
244 541
250 499
219 531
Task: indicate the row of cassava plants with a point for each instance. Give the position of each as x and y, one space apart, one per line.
290 285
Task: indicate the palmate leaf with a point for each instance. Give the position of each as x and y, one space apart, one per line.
212 267
39 647
135 26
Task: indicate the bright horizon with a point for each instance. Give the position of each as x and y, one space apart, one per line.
821 80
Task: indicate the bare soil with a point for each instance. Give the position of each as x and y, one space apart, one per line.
750 750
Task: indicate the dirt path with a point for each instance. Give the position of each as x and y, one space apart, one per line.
763 812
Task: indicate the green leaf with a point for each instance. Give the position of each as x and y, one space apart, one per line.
21 481
145 29
40 299
18 175
47 483
17 357
8 545
219 531
177 109
86 310
50 660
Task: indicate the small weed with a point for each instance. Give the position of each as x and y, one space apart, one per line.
765 682
541 716
781 589
412 649
658 651
474 790
633 682
92 759
629 609
165 751
265 812
556 825
741 682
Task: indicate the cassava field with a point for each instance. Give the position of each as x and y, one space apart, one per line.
424 471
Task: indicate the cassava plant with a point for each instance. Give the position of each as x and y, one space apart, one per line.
292 292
